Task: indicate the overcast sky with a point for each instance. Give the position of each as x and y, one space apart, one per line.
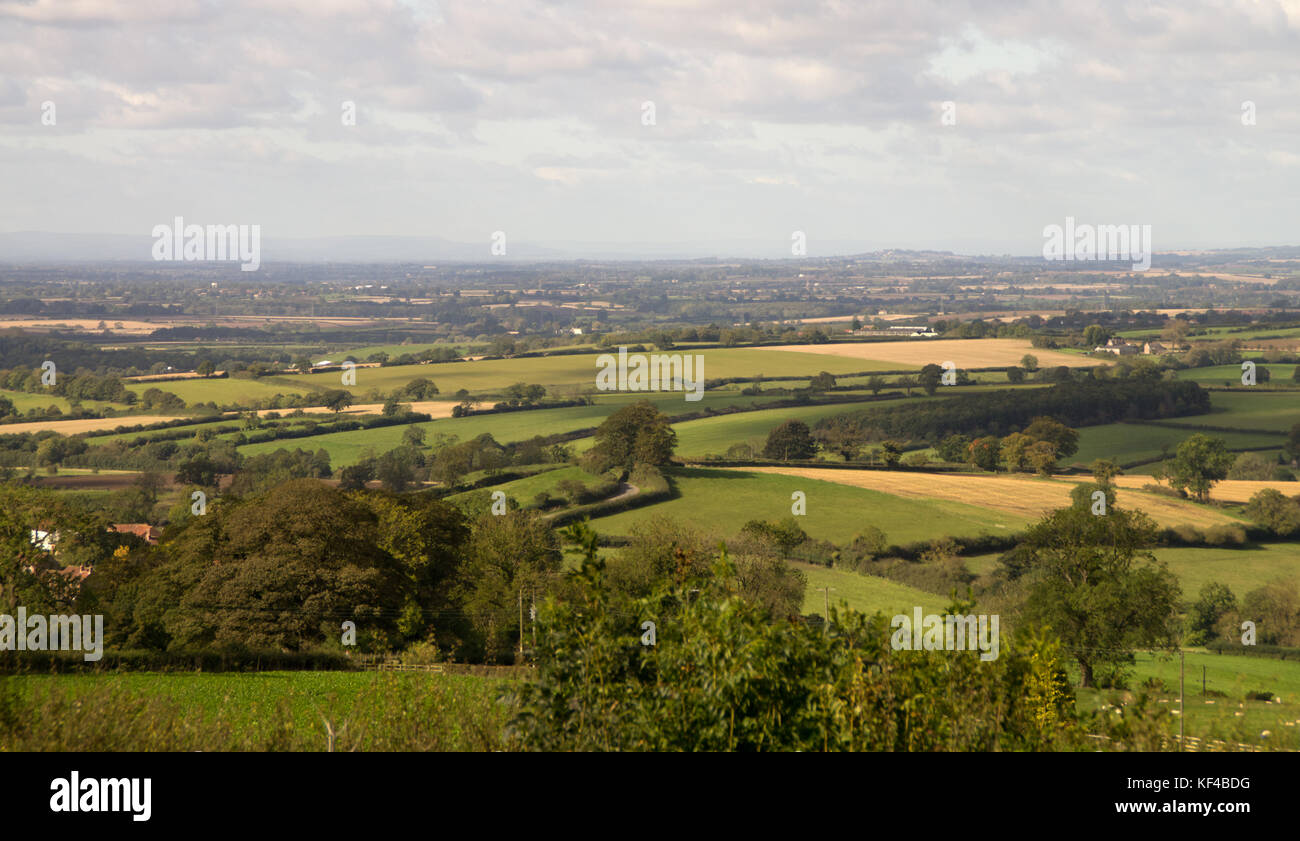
529 118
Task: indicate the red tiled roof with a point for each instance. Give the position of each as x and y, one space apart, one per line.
148 533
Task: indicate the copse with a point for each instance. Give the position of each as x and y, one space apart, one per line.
1085 402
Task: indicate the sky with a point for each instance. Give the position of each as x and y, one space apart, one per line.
709 126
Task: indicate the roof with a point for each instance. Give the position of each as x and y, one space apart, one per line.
144 531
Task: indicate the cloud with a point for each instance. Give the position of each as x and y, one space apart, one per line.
474 111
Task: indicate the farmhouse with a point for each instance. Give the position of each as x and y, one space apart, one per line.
1152 348
1117 346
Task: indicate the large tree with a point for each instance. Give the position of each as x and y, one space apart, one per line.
791 440
510 558
1198 463
1092 580
282 569
635 434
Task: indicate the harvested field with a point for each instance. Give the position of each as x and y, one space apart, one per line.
129 327
964 353
72 427
434 408
1228 490
1026 496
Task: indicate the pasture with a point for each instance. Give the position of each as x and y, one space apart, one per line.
1230 376
723 500
1223 712
864 593
1242 569
1130 442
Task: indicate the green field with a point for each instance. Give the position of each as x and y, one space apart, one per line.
346 447
1129 442
579 371
523 490
1274 411
1230 375
697 438
260 711
1230 717
1242 569
23 401
864 593
724 500
226 391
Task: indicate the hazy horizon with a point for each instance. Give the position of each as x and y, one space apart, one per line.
681 128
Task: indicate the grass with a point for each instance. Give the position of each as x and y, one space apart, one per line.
1129 442
723 500
1274 411
232 391
23 401
490 376
1231 717
864 593
523 490
1242 570
1230 375
346 447
256 711
697 438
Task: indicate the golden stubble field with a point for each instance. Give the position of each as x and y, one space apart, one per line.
1228 490
1027 496
72 427
964 353
435 408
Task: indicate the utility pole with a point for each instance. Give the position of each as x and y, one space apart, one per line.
521 622
1202 678
826 592
1182 697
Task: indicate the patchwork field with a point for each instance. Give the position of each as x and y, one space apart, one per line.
723 500
346 447
964 353
578 371
1027 498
